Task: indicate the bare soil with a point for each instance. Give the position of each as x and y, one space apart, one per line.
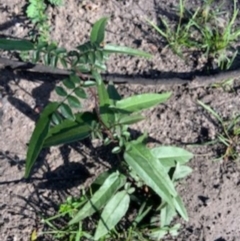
211 193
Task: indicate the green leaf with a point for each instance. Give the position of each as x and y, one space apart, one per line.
97 77
75 79
51 47
113 93
113 212
109 48
54 61
142 213
20 45
175 229
60 51
91 57
181 171
42 45
158 234
74 102
180 207
150 170
85 47
64 63
100 66
116 149
100 197
106 114
128 120
69 83
56 118
141 102
99 55
83 59
98 31
70 131
61 91
89 83
101 178
66 111
81 93
47 59
83 68
38 136
167 215
36 56
169 155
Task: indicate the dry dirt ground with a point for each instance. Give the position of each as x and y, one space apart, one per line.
211 194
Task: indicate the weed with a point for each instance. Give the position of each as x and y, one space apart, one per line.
227 85
230 134
179 36
36 12
203 30
138 199
217 37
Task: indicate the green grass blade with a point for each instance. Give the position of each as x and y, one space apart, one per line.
158 29
211 111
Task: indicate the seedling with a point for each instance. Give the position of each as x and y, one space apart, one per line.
142 180
137 199
229 136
